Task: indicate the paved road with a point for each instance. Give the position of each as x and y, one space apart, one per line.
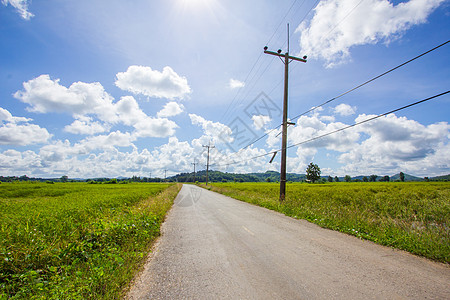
215 247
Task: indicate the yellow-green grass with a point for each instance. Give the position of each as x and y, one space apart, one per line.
77 240
409 216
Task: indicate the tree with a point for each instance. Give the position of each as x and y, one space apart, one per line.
385 179
336 179
373 178
402 176
64 178
330 179
348 178
365 179
313 172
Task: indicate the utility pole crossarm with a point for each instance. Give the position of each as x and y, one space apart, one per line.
284 55
207 161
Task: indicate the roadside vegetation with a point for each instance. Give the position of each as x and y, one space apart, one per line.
410 216
77 240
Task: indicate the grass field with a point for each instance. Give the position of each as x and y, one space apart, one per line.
411 216
77 240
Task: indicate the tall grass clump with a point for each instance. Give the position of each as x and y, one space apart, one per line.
76 240
409 216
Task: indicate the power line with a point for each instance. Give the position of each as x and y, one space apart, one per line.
282 20
345 93
256 62
248 86
341 129
369 81
370 119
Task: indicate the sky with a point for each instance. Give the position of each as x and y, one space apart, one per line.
96 88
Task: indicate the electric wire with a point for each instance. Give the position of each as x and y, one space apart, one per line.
345 93
232 103
370 80
339 130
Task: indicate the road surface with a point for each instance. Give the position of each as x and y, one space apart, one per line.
215 247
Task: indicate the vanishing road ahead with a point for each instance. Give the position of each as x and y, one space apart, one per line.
215 247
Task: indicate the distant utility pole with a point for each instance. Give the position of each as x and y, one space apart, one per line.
287 60
165 175
194 163
207 160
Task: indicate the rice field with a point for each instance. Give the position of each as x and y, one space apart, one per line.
77 240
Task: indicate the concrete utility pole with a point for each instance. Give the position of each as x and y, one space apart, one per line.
194 163
287 60
207 160
165 175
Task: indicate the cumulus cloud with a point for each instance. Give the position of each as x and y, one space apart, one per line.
22 135
170 109
260 121
338 25
13 133
90 99
143 80
21 7
397 143
344 110
234 84
311 127
155 127
46 95
14 162
213 130
8 117
85 127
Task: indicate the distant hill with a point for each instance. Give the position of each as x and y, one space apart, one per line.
217 176
273 176
407 177
441 178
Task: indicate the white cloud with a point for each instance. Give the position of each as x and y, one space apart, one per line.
8 117
46 95
155 127
260 121
113 139
11 133
344 110
399 144
21 7
170 109
22 135
13 162
82 99
234 84
311 127
128 111
213 130
143 80
86 127
338 25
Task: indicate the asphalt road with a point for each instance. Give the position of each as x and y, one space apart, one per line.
215 247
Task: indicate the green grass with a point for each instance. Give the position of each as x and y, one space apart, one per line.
409 216
77 240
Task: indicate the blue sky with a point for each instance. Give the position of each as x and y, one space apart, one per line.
121 88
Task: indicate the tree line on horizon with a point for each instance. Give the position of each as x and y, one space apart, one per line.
218 176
